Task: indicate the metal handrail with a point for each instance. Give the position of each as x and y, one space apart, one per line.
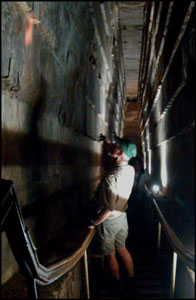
178 247
26 253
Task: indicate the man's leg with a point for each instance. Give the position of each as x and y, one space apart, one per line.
113 265
127 261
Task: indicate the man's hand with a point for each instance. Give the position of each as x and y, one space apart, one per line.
103 217
101 137
91 226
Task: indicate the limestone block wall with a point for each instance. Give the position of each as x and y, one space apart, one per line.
59 91
167 114
167 97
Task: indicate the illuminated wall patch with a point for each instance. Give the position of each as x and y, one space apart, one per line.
163 165
149 162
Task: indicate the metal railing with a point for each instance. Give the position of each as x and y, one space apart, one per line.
26 253
178 249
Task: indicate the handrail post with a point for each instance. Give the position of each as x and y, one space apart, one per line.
86 275
173 275
159 239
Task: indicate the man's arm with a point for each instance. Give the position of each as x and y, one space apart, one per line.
101 218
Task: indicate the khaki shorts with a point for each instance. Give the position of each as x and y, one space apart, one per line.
112 234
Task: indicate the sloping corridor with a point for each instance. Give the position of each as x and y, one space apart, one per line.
71 71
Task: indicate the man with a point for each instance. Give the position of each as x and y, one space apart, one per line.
113 193
141 175
138 200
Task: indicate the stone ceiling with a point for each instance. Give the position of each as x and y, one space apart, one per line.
131 20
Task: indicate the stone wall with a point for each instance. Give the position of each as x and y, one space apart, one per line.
167 98
59 91
167 93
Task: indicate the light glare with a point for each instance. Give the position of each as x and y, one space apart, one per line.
155 188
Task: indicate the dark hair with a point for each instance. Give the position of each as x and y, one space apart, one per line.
109 162
135 160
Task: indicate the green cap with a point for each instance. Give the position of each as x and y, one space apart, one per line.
128 147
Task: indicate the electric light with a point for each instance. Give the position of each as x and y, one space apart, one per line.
155 188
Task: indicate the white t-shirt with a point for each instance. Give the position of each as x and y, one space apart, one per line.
121 183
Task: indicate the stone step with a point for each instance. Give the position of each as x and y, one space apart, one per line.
149 290
146 264
149 282
146 275
145 287
139 293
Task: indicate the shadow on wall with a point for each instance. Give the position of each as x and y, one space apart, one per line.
50 150
39 160
35 150
36 153
48 213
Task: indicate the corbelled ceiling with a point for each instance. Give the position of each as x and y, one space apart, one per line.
131 21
